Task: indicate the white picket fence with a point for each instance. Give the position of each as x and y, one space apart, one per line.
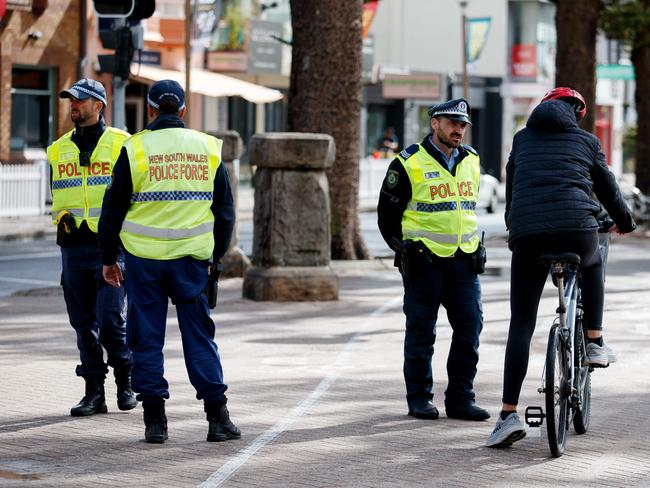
23 189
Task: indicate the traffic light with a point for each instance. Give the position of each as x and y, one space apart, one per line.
129 9
124 38
122 41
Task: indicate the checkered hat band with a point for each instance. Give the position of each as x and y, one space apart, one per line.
449 112
157 105
93 94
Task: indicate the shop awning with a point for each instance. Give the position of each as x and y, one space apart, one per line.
208 83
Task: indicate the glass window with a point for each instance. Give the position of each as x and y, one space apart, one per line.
31 108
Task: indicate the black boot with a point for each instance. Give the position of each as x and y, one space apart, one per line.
125 396
93 402
221 428
155 421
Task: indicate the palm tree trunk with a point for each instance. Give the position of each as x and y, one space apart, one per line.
325 97
575 63
641 61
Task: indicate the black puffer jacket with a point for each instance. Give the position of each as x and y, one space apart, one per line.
553 170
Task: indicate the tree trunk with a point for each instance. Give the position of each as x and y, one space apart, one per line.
641 61
325 97
575 63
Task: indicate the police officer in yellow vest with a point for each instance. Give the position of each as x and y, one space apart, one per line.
426 214
81 164
171 205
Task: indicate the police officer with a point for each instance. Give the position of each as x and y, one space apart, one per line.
171 205
81 164
426 215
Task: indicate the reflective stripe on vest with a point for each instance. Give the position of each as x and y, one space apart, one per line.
76 212
446 238
157 196
167 233
80 189
441 212
439 207
173 173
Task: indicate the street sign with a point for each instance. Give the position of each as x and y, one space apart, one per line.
264 49
615 72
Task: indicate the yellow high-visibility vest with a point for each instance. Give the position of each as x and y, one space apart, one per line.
173 173
441 212
80 189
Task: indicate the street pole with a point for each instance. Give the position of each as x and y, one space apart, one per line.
188 56
463 5
119 88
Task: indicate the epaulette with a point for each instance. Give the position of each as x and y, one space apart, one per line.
470 149
409 151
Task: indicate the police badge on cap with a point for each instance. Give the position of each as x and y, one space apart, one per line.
457 109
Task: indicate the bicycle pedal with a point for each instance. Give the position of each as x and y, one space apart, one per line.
534 416
598 366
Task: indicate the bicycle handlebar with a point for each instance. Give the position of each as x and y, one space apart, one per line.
604 223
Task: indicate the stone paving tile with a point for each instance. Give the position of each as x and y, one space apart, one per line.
353 433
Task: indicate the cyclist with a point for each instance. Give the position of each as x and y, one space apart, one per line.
553 169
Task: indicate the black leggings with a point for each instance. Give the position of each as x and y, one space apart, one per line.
526 285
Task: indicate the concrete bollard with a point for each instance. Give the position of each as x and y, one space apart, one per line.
235 262
291 221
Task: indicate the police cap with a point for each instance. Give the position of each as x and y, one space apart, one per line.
167 90
457 109
86 88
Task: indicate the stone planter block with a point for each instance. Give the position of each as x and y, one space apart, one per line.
287 284
292 150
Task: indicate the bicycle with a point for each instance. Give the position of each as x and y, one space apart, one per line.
566 381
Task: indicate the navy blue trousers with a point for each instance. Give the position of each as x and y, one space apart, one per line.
96 311
150 283
452 283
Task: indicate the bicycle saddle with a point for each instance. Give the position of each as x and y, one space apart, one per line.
565 257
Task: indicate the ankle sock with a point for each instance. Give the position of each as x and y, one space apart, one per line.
506 413
597 340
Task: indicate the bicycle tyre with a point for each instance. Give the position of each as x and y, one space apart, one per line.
582 377
556 393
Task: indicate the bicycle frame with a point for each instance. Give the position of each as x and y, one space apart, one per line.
568 298
566 381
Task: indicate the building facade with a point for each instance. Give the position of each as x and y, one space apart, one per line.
41 53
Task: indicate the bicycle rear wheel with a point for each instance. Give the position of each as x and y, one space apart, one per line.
556 392
582 377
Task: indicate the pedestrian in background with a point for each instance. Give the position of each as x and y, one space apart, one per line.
426 214
171 205
388 143
81 164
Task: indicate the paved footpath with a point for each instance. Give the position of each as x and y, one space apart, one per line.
317 391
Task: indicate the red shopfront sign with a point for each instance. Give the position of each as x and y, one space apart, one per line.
524 61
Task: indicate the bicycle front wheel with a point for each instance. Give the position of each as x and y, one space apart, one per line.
582 377
556 392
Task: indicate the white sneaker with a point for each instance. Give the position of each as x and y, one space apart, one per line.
597 355
612 357
506 432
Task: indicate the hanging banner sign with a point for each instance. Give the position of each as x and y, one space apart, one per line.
477 35
524 61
